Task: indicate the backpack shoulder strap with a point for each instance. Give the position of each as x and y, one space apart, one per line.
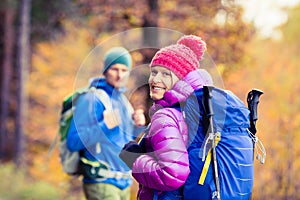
103 97
106 100
128 104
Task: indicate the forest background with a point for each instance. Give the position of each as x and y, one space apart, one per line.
44 51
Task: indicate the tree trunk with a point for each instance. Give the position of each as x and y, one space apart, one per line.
150 36
150 42
23 62
8 52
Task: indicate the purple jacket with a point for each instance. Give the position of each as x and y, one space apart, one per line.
165 166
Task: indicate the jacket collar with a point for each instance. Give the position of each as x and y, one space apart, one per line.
100 83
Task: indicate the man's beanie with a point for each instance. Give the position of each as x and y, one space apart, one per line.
183 57
117 55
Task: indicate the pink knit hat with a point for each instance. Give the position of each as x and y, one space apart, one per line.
183 57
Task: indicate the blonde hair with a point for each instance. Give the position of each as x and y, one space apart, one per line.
174 78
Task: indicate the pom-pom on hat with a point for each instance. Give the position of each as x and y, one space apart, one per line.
117 55
183 57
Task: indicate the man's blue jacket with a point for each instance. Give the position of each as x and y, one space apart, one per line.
89 134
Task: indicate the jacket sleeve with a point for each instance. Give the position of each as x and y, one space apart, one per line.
167 167
87 125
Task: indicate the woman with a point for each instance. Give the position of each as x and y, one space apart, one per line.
161 167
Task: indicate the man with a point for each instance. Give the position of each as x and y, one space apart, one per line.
99 133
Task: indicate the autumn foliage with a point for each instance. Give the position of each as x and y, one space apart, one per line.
62 62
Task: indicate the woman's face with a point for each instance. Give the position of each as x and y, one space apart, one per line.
161 80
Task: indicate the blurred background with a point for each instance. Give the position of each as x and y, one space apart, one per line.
45 53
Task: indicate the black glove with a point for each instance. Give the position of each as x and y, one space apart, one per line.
130 152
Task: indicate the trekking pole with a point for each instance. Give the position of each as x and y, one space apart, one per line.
207 103
140 138
253 100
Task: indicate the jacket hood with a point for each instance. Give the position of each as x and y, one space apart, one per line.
198 78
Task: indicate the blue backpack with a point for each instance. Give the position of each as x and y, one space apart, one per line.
234 148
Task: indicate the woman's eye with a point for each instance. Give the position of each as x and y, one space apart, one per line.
153 73
166 74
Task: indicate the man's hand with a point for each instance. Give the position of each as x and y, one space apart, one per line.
139 117
111 118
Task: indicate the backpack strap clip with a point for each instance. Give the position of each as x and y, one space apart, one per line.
208 157
260 150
